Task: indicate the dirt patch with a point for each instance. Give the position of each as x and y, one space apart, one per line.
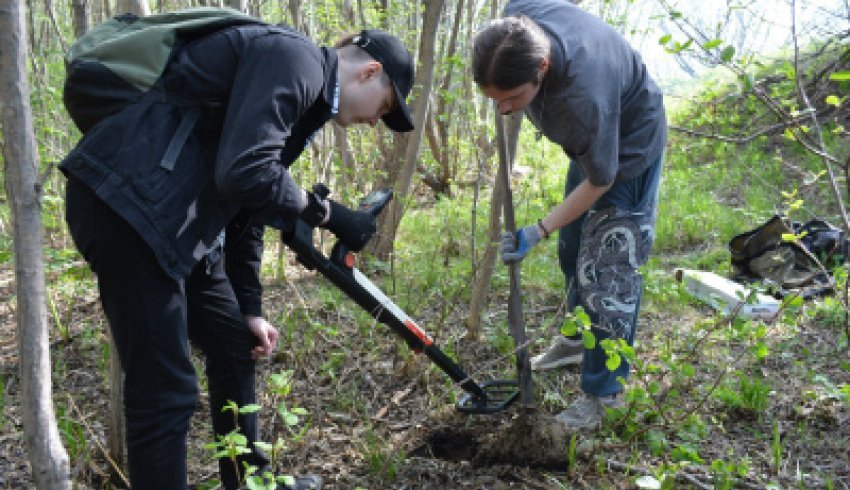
449 444
531 439
527 438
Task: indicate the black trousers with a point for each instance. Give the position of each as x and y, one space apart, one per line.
152 318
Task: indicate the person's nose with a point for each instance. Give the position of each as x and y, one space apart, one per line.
504 107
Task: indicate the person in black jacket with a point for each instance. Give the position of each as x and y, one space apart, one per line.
167 203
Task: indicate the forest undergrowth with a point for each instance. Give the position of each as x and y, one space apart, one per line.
714 401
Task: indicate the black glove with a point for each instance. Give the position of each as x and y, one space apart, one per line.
353 228
316 210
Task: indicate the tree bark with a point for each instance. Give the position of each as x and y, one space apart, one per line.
240 5
138 7
116 444
348 12
295 14
484 269
445 109
389 221
82 13
347 163
48 458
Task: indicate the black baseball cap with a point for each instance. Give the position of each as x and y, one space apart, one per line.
397 62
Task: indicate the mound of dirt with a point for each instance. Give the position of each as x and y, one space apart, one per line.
528 438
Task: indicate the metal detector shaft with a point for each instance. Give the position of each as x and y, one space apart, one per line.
340 271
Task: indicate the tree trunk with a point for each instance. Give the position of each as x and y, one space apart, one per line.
240 5
347 165
484 269
360 13
348 12
295 14
81 12
138 7
444 109
389 221
384 9
48 458
99 11
117 445
438 182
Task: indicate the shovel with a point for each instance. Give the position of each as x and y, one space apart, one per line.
507 141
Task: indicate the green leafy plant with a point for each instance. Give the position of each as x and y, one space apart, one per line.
749 393
686 452
844 390
578 322
726 473
571 454
776 448
72 432
280 386
234 444
383 462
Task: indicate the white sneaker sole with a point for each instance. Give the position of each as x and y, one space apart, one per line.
563 361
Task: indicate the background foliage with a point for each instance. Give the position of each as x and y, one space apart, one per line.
726 401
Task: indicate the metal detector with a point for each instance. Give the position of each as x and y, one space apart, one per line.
489 397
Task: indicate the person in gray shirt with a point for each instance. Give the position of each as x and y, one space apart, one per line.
587 90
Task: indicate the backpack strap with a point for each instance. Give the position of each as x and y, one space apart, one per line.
175 146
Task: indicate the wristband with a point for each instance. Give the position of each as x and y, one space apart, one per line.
543 229
315 212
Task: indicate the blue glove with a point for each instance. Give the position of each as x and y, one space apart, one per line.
516 247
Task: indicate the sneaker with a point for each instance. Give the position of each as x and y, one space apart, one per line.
588 411
563 351
307 482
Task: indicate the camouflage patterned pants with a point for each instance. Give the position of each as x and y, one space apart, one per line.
614 244
600 256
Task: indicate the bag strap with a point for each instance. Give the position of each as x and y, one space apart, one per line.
175 146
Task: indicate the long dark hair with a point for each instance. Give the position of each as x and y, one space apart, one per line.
507 53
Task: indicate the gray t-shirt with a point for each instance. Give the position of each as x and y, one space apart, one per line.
597 101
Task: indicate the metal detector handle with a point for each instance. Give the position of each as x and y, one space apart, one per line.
374 203
299 235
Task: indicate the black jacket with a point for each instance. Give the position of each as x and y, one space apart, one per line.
260 93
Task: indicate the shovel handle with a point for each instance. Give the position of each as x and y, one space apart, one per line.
507 150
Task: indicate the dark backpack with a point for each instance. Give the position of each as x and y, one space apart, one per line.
824 240
120 60
771 253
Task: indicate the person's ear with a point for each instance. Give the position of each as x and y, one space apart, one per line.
369 70
544 66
